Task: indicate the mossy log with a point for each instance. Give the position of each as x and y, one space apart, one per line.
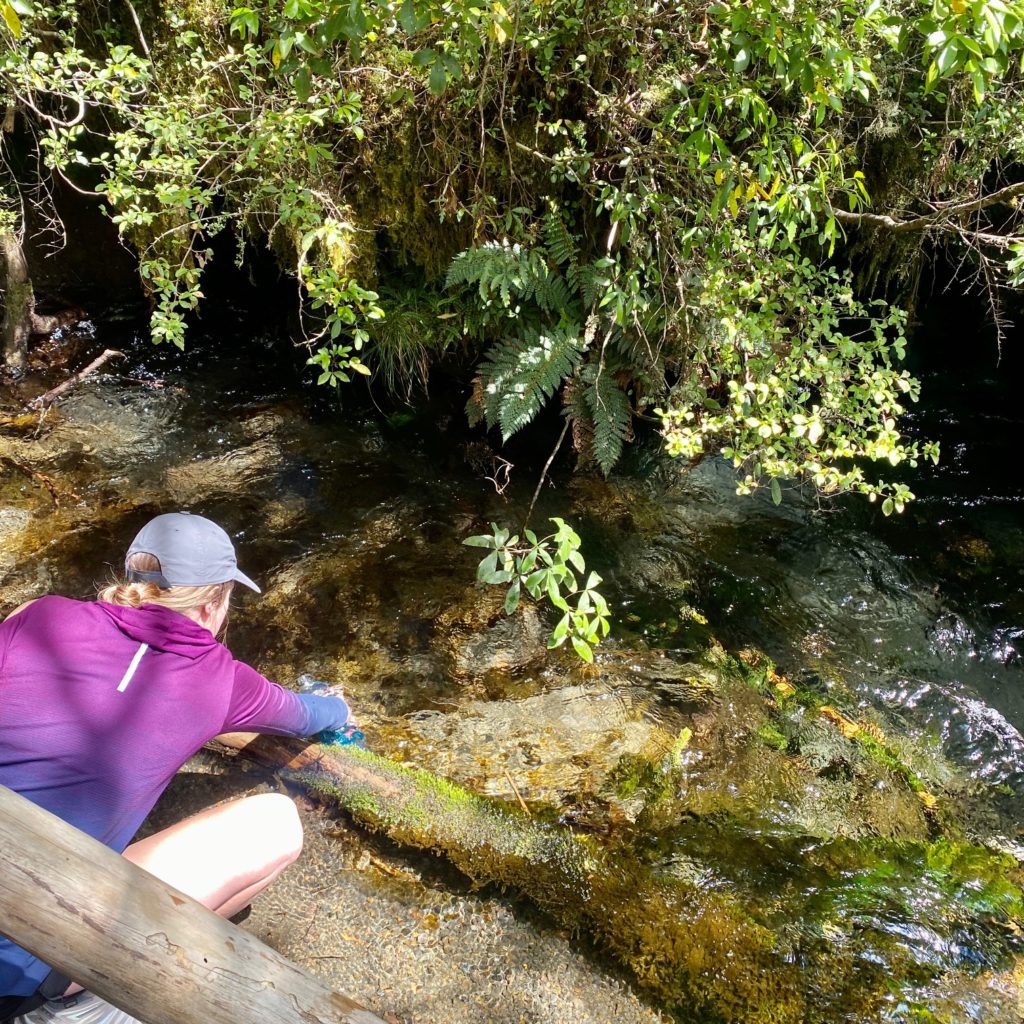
687 946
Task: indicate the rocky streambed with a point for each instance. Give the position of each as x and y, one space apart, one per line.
767 842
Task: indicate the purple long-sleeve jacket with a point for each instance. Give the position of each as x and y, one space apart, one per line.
99 707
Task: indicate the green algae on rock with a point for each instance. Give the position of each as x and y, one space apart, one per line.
688 946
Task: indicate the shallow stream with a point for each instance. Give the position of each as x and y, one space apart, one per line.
885 869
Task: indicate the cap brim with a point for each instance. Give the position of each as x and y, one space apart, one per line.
240 577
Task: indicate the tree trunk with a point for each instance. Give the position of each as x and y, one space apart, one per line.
139 943
19 302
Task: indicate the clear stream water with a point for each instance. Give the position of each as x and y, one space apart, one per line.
356 522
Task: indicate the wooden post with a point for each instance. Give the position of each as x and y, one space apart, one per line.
139 943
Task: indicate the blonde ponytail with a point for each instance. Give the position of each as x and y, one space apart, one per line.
134 594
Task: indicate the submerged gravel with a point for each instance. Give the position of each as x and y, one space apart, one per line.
403 935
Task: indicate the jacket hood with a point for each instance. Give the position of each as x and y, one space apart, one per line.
161 628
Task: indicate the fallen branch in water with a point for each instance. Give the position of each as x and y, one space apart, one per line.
33 474
49 397
688 946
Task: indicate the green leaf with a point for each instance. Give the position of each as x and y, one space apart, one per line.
582 648
555 596
535 581
971 45
481 540
409 19
946 60
512 598
776 491
438 77
336 26
980 84
577 559
887 507
487 567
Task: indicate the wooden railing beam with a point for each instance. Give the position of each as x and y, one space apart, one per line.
139 943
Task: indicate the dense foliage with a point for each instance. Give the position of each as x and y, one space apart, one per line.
666 211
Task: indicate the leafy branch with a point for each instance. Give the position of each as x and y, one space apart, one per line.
547 567
335 361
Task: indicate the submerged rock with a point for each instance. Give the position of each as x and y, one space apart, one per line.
233 472
15 524
476 637
548 748
509 645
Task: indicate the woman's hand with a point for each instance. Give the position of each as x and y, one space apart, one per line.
321 688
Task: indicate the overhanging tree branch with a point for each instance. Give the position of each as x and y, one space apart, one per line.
941 218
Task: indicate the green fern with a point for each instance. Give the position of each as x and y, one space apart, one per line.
518 376
611 414
511 273
562 247
592 284
574 409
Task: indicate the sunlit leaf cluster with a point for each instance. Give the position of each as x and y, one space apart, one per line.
550 568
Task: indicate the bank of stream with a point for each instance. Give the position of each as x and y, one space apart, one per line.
804 727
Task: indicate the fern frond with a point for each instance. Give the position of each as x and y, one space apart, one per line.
520 375
575 405
512 274
562 246
592 284
612 417
552 294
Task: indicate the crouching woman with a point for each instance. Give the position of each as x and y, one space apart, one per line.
101 702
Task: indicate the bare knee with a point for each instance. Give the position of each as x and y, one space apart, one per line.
280 819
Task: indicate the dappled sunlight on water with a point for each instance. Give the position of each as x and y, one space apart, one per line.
666 745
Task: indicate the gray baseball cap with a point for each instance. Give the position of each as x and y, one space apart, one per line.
193 552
